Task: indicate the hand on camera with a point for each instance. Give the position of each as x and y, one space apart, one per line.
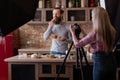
72 30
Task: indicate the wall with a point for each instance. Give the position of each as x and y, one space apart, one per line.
34 34
31 36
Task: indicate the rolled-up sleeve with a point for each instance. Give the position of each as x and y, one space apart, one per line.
86 40
47 33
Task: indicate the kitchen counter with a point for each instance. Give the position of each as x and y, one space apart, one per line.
33 50
42 59
39 66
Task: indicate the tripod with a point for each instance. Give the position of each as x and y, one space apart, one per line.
79 57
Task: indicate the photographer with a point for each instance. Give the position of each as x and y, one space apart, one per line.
59 32
101 39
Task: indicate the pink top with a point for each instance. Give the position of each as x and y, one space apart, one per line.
96 45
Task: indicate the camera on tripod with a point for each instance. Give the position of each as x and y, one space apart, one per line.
77 30
80 53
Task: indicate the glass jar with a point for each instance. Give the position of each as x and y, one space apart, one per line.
48 4
57 4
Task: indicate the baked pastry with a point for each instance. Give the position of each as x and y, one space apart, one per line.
54 19
54 36
50 56
61 38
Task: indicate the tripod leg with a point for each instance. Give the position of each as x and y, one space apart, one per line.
80 55
86 61
84 55
61 68
77 58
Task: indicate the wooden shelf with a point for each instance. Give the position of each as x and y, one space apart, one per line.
44 14
34 23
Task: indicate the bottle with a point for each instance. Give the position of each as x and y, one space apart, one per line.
48 4
77 3
74 3
97 3
57 4
92 3
82 3
70 4
63 4
40 4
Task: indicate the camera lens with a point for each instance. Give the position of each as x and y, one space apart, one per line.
77 30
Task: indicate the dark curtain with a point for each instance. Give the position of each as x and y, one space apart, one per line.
113 8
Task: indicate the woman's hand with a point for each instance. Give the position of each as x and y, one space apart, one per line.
72 30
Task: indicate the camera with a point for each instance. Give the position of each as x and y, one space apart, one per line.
77 30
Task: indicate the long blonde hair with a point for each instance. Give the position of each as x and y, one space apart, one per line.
103 27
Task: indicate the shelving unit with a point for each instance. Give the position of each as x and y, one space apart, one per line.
37 26
44 13
80 15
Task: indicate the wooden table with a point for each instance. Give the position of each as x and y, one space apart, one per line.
39 68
